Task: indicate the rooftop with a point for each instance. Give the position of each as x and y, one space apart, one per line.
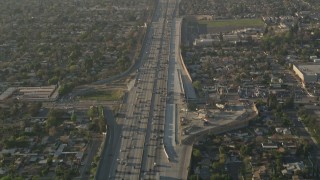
309 69
39 93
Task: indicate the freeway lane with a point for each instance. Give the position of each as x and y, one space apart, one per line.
148 87
140 147
112 138
149 153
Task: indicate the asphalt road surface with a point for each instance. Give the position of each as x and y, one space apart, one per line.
136 149
112 138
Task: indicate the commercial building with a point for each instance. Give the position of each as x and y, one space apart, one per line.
308 73
43 93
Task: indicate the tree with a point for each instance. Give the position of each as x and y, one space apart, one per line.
272 101
101 112
8 177
220 177
289 102
197 85
36 177
59 171
44 171
306 149
73 68
245 150
286 121
217 166
192 106
88 63
196 153
193 177
92 112
73 117
93 126
102 124
53 80
222 155
65 88
295 28
14 109
49 161
34 108
54 118
288 36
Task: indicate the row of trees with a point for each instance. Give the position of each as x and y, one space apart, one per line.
310 120
97 117
66 173
20 142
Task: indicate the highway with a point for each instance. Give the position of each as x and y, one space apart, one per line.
144 148
139 150
113 136
143 124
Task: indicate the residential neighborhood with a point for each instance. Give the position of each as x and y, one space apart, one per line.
53 144
71 43
239 54
48 48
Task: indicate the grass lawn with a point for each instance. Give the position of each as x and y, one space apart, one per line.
233 22
110 95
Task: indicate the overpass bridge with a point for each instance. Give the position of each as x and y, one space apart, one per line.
234 125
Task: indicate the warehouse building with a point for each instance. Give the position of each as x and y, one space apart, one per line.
43 93
308 73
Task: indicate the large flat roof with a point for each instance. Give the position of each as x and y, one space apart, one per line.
309 69
39 93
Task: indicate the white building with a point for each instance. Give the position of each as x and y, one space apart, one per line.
205 42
